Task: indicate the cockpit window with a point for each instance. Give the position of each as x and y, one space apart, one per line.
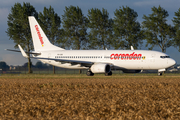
164 56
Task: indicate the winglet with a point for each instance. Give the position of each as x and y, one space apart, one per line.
132 48
22 51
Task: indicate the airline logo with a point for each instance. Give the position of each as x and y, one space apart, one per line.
123 56
39 35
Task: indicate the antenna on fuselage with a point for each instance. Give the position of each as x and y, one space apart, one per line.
132 48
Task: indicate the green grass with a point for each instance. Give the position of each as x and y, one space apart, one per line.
82 76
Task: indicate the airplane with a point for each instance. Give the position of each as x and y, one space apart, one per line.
95 61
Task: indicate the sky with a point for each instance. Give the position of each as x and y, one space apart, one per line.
142 7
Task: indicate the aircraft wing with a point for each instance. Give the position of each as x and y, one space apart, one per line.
63 60
73 62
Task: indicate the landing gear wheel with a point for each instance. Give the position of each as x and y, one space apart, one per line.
159 73
89 73
108 74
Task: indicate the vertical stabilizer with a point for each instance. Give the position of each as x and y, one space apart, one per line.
40 40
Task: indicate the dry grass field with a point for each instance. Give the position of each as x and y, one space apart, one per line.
78 97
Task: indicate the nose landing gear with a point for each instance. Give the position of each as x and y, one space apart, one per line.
159 73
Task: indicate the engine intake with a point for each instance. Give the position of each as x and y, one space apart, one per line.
100 68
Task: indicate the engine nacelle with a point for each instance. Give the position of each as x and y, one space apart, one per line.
100 68
131 71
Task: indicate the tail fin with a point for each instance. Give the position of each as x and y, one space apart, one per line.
40 40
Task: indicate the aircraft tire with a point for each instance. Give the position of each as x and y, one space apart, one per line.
89 73
108 74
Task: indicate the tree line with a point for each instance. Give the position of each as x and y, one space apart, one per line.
96 30
5 67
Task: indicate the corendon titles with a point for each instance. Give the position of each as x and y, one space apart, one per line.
132 56
39 35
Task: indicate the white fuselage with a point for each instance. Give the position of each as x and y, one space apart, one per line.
120 59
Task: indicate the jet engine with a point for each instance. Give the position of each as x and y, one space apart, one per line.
100 68
131 71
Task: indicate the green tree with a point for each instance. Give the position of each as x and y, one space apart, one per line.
100 29
75 26
41 65
176 22
18 27
127 30
3 66
50 23
157 31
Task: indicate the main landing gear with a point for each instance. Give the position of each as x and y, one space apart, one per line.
108 74
89 73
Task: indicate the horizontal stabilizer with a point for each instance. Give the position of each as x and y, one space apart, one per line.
23 52
34 53
13 50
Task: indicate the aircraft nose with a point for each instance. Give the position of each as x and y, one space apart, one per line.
172 62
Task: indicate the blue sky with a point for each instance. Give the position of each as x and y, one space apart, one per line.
140 6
